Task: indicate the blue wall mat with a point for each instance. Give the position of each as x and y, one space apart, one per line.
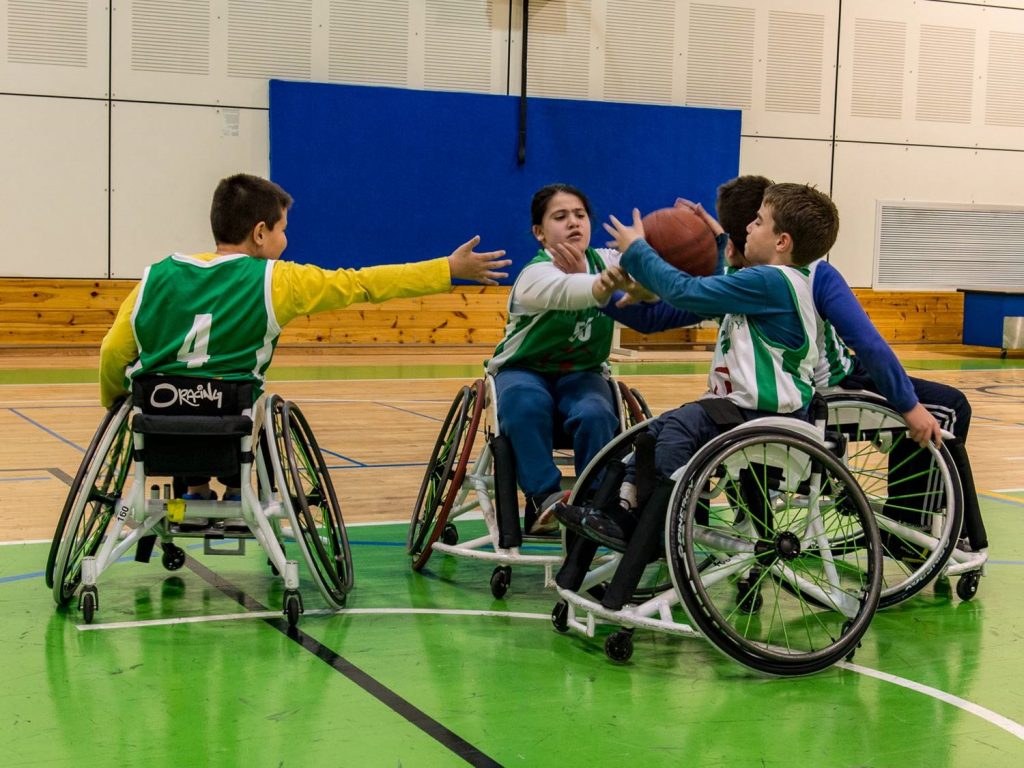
382 175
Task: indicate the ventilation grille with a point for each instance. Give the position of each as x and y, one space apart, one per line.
720 61
47 32
923 245
1004 102
946 76
636 27
879 53
559 49
171 37
458 45
269 38
369 43
795 45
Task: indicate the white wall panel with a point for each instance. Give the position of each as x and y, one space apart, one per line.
865 174
796 160
52 187
54 47
166 162
921 73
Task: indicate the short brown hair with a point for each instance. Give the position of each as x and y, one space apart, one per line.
242 201
807 215
736 206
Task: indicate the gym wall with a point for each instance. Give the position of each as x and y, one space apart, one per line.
117 120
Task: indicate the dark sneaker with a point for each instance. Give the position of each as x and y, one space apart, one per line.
572 516
604 529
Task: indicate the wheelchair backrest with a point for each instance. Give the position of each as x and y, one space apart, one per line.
191 425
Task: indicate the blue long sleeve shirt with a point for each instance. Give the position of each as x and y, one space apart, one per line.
761 293
833 300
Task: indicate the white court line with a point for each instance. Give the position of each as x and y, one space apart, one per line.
1010 726
1008 490
317 612
26 541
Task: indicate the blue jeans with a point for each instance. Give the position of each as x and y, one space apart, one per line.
530 405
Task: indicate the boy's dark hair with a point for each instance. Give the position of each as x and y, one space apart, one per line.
809 217
736 206
541 198
242 201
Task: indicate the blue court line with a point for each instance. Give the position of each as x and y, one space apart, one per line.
406 410
1001 499
47 430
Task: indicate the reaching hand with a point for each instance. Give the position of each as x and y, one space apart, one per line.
698 209
569 258
625 235
922 426
467 264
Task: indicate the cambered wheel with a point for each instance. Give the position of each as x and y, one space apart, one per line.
445 473
91 503
173 557
914 492
799 519
618 646
635 408
312 503
560 616
501 578
967 585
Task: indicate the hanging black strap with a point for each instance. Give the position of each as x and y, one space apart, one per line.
724 412
521 153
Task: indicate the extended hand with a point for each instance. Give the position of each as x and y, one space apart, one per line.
625 235
467 264
698 209
569 258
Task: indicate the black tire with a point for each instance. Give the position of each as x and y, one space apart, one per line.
560 616
829 551
90 505
173 557
445 473
635 408
292 608
313 504
618 646
89 603
501 578
76 486
914 553
967 585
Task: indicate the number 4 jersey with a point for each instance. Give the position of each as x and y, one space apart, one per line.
213 318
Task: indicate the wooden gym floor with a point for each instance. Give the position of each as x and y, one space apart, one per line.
192 668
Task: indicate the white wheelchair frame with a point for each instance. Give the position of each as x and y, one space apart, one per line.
99 525
577 610
472 488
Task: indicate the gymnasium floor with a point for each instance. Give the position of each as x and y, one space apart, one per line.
196 668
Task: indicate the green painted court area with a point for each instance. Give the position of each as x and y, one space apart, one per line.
430 670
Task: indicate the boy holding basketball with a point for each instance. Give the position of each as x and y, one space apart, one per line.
927 406
763 362
219 314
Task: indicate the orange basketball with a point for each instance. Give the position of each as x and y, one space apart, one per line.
683 239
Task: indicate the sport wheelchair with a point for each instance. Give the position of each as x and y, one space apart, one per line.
174 426
452 488
772 549
915 493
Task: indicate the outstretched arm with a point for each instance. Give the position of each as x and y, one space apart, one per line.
467 264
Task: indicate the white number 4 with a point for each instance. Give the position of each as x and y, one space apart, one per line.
194 350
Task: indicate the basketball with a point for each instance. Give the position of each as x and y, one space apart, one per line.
683 239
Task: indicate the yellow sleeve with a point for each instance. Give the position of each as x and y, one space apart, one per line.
117 352
304 289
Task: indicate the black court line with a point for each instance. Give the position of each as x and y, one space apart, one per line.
417 717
